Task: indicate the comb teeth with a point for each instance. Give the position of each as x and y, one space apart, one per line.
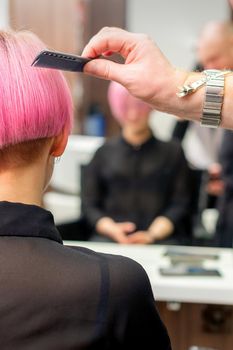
59 55
60 60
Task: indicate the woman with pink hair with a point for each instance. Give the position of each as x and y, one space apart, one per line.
136 189
54 296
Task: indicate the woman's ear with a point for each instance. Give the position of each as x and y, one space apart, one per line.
59 143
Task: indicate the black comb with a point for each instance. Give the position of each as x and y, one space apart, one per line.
60 60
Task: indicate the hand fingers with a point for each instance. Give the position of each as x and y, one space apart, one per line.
123 240
136 240
107 53
128 227
104 69
109 39
139 237
136 237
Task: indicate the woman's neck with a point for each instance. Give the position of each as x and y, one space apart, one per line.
136 137
23 185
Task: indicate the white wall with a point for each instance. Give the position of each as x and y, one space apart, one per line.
4 16
174 25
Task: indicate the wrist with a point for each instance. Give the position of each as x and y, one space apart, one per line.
166 100
152 236
155 235
161 228
104 226
164 97
189 107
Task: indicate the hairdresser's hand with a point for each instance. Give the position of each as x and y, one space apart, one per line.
147 74
118 231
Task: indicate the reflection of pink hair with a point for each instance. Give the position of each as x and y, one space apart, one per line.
34 103
120 100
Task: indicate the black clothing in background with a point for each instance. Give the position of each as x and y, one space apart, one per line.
76 230
198 177
138 184
55 297
180 129
224 230
178 133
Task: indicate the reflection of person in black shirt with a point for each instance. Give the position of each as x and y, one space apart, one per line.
135 189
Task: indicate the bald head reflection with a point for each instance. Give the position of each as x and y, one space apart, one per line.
215 45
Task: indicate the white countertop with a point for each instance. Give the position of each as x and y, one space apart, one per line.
193 289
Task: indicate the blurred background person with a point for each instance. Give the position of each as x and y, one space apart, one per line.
214 51
136 187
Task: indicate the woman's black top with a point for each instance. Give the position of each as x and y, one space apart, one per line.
55 297
138 184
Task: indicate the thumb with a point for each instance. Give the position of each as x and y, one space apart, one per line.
104 69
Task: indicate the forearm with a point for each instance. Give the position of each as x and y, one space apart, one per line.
148 75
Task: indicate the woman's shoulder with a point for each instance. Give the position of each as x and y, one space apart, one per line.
121 270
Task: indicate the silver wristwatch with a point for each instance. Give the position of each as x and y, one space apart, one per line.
211 114
214 80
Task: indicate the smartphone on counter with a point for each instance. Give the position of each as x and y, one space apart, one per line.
183 270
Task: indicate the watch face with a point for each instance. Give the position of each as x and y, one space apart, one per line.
212 71
216 72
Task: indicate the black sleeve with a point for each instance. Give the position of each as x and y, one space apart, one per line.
92 189
138 324
180 197
180 129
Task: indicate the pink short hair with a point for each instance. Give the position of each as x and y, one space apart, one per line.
120 99
34 103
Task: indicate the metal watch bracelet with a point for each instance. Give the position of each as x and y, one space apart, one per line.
214 93
215 81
